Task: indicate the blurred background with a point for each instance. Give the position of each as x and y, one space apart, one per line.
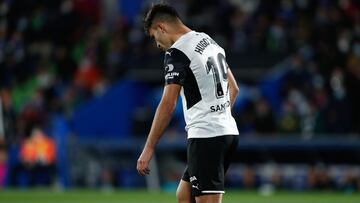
80 83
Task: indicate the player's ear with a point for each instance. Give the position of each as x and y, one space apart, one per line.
161 27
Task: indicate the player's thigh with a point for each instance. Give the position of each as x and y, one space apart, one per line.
210 198
183 192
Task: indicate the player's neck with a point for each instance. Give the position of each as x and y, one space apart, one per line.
180 31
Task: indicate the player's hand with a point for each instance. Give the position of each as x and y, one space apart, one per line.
143 162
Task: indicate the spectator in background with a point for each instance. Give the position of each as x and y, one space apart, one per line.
352 83
264 119
3 160
37 155
33 114
239 36
249 178
349 183
318 178
87 75
9 117
338 114
289 121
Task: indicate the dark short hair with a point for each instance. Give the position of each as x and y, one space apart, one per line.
163 12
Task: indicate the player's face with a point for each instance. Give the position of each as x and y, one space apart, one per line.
161 38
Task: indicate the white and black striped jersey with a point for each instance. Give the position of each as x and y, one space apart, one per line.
198 64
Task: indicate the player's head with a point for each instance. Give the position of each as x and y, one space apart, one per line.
160 22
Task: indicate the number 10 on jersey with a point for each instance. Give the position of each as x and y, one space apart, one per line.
211 65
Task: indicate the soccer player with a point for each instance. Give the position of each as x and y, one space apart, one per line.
195 67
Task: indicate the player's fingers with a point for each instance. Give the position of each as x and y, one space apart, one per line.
142 168
144 172
141 172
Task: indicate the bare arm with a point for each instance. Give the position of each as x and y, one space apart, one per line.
161 120
233 87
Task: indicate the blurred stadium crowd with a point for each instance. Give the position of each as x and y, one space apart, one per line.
57 55
269 177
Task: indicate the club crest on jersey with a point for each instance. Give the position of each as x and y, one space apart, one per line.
169 74
169 68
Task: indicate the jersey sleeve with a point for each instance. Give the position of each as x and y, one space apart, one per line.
175 65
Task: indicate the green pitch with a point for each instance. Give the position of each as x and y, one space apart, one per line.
121 196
